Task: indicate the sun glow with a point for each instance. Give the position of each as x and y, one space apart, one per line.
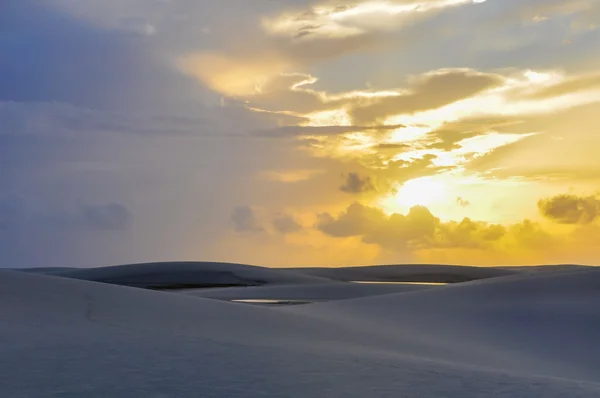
424 191
334 117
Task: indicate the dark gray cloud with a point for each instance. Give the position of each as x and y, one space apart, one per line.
55 119
112 216
354 183
34 233
286 224
18 212
245 220
570 209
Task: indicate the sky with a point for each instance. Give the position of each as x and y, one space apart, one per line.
299 132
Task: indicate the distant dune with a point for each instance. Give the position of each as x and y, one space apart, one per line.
182 275
312 292
518 334
408 273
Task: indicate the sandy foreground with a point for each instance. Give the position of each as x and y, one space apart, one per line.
171 330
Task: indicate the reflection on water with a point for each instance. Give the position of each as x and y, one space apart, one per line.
271 301
403 283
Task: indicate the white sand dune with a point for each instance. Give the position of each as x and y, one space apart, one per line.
527 335
544 323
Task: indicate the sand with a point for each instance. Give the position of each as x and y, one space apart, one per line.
521 334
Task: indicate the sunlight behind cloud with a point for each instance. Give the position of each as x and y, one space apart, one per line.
408 134
423 191
456 194
231 76
289 176
477 146
507 100
330 20
335 117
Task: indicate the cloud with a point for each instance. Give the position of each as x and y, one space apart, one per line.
570 209
112 216
462 202
245 220
290 176
248 72
468 234
570 85
391 146
429 91
356 220
457 115
286 224
228 75
62 119
495 158
531 235
300 131
18 212
405 170
511 99
53 56
355 184
395 232
419 229
555 8
329 20
453 135
448 136
110 109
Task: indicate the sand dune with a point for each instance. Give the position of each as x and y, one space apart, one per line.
409 273
44 270
523 335
173 275
180 274
311 292
546 321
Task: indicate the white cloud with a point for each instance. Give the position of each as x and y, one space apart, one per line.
330 21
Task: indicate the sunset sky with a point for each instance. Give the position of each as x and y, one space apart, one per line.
299 132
